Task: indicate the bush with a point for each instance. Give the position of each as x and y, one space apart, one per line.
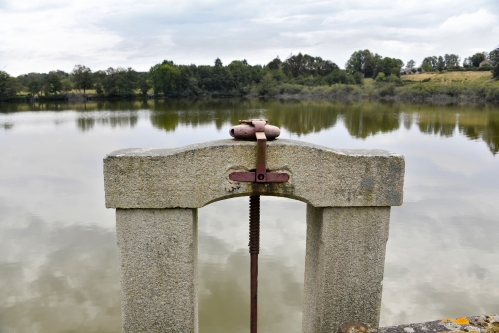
495 72
380 77
395 80
290 89
387 90
358 78
493 94
267 86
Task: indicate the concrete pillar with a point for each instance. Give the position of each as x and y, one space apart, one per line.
158 257
344 262
156 193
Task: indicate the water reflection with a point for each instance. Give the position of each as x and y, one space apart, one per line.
87 121
224 302
224 283
58 255
61 279
362 119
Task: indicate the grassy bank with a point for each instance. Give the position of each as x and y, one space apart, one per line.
428 87
449 77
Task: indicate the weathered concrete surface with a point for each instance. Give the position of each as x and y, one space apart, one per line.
344 266
156 193
475 324
158 256
193 176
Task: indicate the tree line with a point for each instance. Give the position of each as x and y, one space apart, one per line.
238 78
372 65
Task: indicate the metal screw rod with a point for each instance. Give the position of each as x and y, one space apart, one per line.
254 249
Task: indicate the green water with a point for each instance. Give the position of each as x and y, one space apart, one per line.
58 254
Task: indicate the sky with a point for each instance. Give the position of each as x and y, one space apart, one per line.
43 35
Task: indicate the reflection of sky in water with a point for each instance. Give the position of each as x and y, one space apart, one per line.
58 257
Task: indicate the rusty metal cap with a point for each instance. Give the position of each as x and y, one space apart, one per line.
247 131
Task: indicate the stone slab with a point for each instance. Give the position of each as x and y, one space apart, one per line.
195 175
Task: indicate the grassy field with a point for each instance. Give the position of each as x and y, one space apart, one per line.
450 77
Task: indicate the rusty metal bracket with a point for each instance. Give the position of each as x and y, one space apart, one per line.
260 130
251 129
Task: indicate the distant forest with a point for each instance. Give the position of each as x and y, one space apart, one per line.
238 78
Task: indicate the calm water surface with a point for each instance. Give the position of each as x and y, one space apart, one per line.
58 254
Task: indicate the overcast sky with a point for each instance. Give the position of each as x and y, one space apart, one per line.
39 36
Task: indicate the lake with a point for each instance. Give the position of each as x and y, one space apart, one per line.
59 267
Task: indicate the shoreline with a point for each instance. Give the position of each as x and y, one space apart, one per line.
434 90
437 99
474 324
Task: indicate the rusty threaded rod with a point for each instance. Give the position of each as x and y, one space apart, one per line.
254 249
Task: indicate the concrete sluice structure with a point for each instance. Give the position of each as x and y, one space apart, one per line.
156 193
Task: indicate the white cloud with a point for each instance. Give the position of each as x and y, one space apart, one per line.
470 22
47 35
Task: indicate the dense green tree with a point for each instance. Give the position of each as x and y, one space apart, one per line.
82 78
46 90
66 84
495 72
389 66
54 84
252 74
13 87
341 76
237 78
9 86
267 86
452 61
240 75
426 66
119 82
188 82
294 65
358 79
4 77
98 76
244 74
62 74
494 59
35 86
26 78
222 81
127 81
143 84
307 65
432 61
325 67
164 78
440 64
204 75
275 64
109 82
475 60
99 89
362 61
